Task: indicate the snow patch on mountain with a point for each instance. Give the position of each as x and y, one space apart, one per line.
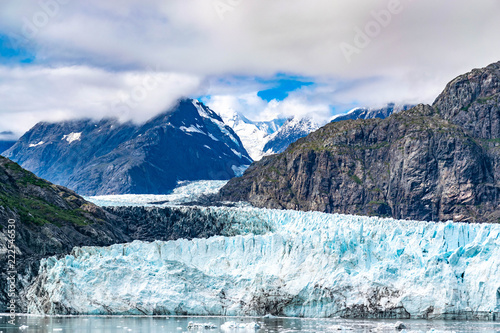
308 264
36 144
191 129
239 170
72 137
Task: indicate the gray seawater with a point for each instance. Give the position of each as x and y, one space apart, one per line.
120 324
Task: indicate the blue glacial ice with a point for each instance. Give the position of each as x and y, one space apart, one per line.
307 264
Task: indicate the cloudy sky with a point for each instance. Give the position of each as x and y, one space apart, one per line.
62 59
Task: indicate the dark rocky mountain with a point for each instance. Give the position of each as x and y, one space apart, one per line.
48 220
292 130
472 101
365 113
189 142
439 162
7 140
4 145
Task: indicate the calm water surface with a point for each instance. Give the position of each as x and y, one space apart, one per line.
179 324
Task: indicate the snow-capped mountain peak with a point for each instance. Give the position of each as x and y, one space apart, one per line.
370 113
254 135
292 130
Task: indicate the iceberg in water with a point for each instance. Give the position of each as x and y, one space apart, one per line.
307 264
234 326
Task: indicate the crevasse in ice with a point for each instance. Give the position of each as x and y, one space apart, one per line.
308 264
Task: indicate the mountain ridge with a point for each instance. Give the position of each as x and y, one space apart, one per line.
370 113
439 162
188 142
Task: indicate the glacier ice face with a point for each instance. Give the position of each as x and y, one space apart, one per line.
309 264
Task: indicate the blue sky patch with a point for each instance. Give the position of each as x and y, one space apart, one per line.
15 49
281 87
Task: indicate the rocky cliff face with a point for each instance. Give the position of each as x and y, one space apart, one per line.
188 142
437 162
171 223
472 101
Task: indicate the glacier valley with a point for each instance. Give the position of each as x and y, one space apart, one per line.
287 263
185 191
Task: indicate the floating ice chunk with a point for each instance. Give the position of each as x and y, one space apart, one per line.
237 153
212 137
206 326
399 326
269 316
339 328
232 325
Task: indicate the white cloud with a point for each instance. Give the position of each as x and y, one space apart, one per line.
262 37
297 106
248 104
33 94
255 108
411 58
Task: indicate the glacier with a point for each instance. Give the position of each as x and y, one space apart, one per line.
185 191
302 264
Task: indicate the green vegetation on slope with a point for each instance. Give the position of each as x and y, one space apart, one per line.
36 200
